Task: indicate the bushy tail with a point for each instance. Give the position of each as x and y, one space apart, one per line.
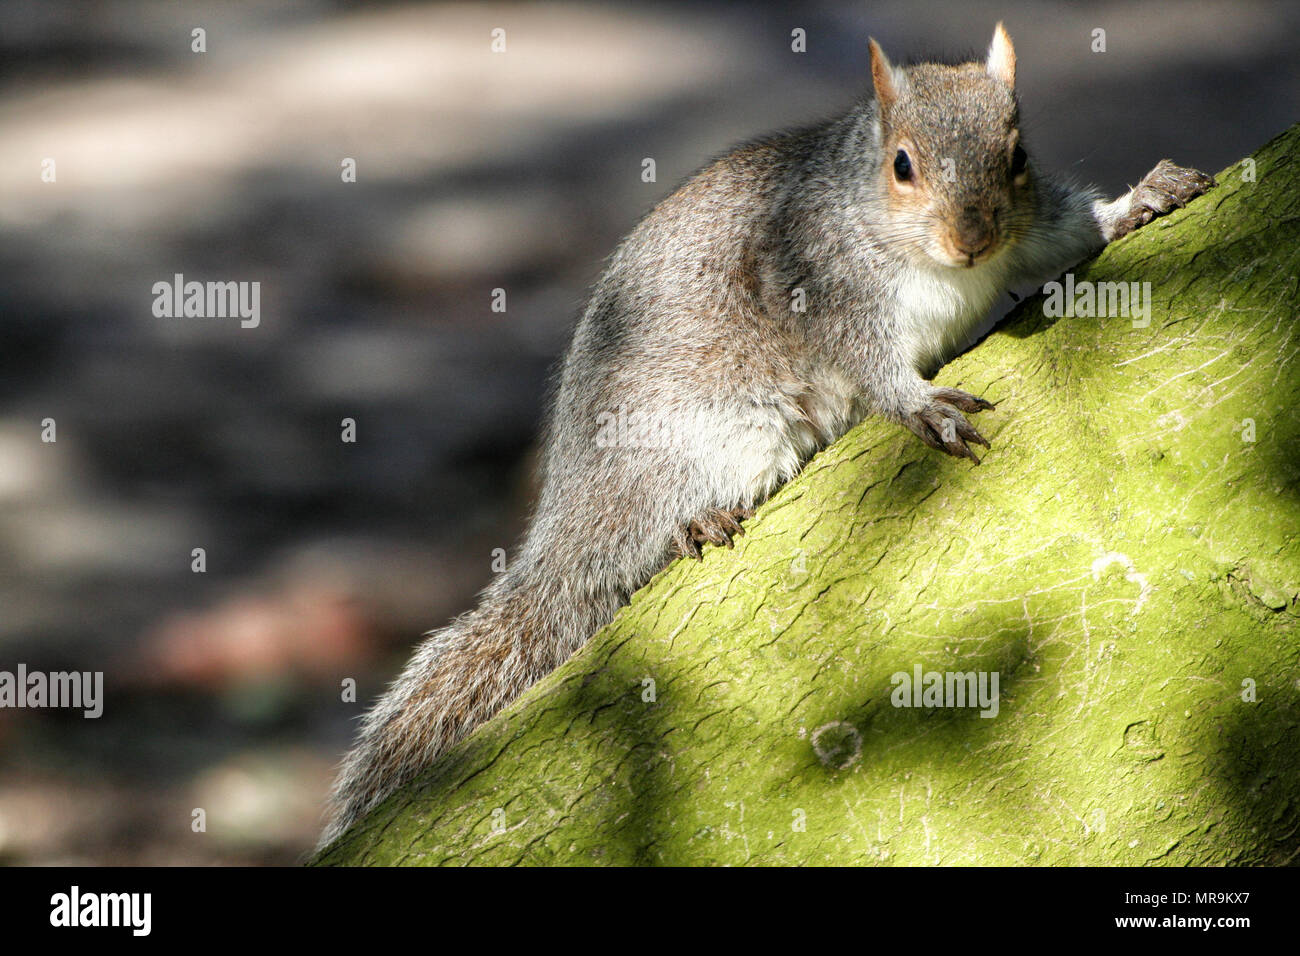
458 678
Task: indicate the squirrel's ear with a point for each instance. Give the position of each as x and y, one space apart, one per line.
1002 57
882 76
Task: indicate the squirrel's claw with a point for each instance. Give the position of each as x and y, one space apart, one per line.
963 400
718 526
686 546
941 425
1165 188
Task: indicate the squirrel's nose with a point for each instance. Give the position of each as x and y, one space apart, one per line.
974 232
972 246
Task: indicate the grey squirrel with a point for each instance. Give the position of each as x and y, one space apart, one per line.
792 287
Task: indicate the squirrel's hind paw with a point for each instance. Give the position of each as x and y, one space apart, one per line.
717 526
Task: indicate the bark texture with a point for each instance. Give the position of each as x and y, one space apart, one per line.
1126 559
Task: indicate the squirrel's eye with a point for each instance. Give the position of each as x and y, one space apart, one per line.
1019 160
902 167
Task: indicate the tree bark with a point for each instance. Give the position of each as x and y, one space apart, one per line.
1126 560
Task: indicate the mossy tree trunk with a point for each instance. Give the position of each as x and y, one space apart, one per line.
1126 560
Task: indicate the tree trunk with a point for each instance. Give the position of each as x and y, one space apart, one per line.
1126 561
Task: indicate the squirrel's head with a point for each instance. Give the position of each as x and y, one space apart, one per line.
955 176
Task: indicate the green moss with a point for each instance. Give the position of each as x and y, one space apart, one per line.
1124 559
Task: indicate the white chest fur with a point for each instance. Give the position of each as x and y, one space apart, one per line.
937 309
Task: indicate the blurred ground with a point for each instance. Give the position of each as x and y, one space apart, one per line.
475 171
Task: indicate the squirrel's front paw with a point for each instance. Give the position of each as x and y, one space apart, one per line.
939 422
1165 188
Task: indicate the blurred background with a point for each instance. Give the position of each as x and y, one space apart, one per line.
475 170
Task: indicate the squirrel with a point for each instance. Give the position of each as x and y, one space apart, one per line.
794 286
